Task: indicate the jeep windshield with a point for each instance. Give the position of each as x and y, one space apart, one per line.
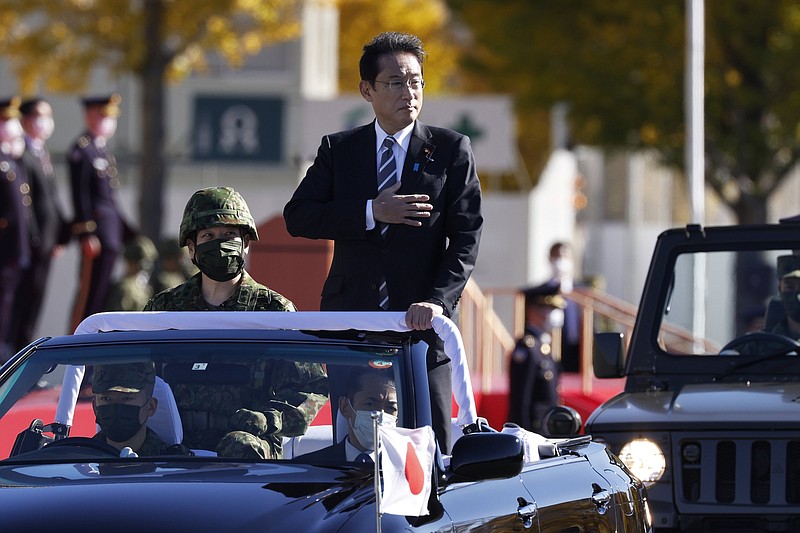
731 301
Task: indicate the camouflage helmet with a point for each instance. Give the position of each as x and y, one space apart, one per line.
216 206
141 249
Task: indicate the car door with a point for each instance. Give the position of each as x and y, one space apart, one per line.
570 495
491 505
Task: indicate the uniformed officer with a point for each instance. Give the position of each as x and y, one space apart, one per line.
16 218
283 397
51 231
533 372
133 290
98 220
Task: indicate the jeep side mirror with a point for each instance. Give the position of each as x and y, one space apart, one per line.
609 355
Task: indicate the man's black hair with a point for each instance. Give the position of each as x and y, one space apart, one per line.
388 43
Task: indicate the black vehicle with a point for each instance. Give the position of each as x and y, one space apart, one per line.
710 415
50 481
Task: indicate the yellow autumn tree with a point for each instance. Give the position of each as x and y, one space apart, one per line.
53 45
360 20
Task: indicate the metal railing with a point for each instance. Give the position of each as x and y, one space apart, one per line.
488 340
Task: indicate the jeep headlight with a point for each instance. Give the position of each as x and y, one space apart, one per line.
644 459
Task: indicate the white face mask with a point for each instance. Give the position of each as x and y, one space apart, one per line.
107 127
562 271
12 141
43 127
362 427
555 319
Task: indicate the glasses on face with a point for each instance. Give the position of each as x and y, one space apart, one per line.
398 85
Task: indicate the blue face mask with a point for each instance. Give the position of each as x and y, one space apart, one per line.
220 259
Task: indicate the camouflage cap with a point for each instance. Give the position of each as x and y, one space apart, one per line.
216 206
131 377
789 266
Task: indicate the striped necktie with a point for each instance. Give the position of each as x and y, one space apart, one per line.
387 172
387 176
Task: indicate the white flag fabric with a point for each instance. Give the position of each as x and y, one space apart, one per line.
407 463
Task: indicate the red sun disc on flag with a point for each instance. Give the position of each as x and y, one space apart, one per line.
413 471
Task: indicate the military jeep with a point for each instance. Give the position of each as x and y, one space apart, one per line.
710 415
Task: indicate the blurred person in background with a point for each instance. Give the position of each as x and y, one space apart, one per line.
562 279
533 372
99 223
52 231
16 218
133 290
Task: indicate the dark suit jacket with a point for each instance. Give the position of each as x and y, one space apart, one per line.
330 455
52 224
431 262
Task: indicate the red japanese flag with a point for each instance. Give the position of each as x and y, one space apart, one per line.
406 462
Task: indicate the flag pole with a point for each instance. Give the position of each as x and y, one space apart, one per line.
375 415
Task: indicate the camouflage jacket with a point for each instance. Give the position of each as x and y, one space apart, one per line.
154 446
289 395
249 296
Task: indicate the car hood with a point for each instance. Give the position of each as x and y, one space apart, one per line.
714 405
187 496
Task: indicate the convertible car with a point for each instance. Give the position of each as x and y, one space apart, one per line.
55 474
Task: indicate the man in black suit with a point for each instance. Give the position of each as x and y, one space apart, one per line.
407 242
51 225
99 223
367 390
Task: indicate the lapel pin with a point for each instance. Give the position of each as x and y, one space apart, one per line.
416 167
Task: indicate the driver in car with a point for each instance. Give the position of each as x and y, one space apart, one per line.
789 286
367 390
123 401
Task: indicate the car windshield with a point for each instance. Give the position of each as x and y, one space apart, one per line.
273 396
730 303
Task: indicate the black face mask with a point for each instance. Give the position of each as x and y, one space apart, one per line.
791 304
118 421
220 260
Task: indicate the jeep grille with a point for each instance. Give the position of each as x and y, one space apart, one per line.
746 471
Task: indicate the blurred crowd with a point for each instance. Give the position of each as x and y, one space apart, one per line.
120 269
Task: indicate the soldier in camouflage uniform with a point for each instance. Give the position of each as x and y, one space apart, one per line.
123 401
283 397
133 290
789 286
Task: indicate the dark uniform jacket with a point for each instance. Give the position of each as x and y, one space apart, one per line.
93 176
15 213
533 380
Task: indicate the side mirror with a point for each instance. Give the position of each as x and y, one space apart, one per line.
480 456
609 355
562 421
